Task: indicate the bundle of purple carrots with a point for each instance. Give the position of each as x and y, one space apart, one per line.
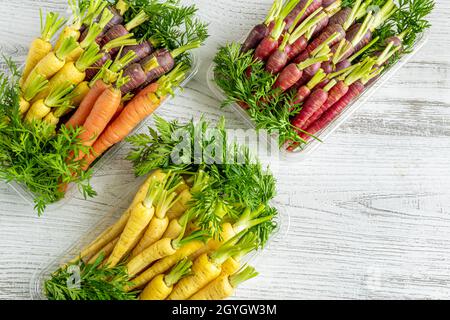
310 59
99 75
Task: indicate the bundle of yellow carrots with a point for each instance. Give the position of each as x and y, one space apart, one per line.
185 235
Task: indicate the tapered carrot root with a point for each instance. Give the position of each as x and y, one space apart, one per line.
102 112
139 219
203 272
157 251
335 94
154 232
114 231
317 98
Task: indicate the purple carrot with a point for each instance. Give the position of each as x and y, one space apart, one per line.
304 91
330 30
107 51
293 72
301 11
270 43
327 3
142 50
354 91
119 30
262 30
341 16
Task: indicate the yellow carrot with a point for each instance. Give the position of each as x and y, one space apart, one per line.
80 92
72 30
224 286
160 250
158 226
51 119
226 234
114 231
231 266
73 72
161 286
139 219
163 265
105 252
208 267
38 84
57 98
154 232
181 206
40 47
203 272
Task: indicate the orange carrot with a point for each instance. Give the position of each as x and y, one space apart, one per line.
142 105
85 108
104 109
135 111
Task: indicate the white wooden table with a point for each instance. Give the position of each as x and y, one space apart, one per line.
369 210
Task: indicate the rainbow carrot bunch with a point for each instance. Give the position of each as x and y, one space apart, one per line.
299 70
189 230
111 66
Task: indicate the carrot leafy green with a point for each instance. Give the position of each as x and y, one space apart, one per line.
31 154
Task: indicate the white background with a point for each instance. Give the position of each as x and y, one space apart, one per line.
369 210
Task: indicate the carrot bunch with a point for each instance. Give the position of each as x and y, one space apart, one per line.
307 63
111 65
186 234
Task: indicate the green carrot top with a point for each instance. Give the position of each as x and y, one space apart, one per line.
93 10
123 41
38 83
300 15
88 58
66 48
274 12
242 276
59 96
180 271
171 80
96 28
51 26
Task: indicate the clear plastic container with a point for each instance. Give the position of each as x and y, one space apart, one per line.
333 126
44 273
72 190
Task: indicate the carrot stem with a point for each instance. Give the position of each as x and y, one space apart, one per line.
122 41
122 6
274 12
139 19
300 15
88 58
52 24
352 17
316 79
244 275
367 47
306 25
